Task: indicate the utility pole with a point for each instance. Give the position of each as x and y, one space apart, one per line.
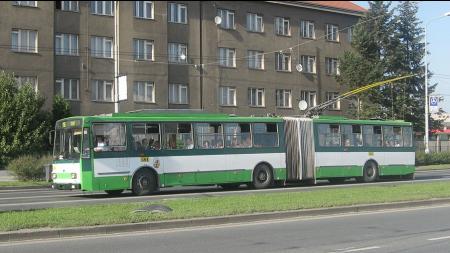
116 56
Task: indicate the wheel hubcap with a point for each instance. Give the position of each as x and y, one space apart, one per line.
371 172
143 182
262 176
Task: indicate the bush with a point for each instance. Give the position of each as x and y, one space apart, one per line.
432 158
29 167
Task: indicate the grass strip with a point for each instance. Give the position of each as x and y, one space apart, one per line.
433 167
204 206
23 183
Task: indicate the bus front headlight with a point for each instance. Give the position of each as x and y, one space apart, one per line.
54 175
73 175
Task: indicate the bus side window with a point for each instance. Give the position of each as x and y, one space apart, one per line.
145 136
407 136
372 136
265 135
109 137
178 136
209 135
237 135
398 139
388 136
329 135
377 137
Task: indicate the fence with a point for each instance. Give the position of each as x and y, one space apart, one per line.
434 146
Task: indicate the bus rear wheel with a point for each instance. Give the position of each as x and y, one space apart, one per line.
144 183
370 173
114 192
262 176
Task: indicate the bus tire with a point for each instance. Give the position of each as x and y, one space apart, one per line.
370 172
144 183
262 176
114 192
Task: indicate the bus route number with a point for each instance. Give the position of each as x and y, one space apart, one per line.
144 159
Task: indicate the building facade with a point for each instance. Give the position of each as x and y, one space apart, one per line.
246 58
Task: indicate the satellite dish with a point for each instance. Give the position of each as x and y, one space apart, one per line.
302 105
218 20
299 67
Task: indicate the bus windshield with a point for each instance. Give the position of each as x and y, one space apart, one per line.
67 144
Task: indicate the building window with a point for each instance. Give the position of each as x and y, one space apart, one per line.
101 47
102 90
178 94
283 98
102 8
68 88
283 62
310 97
255 59
24 41
177 53
177 13
332 66
282 26
350 33
227 96
25 3
31 80
227 57
256 97
255 23
67 6
307 29
332 33
144 91
143 9
331 96
308 63
66 44
227 18
143 50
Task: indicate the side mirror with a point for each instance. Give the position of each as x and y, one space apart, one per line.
51 137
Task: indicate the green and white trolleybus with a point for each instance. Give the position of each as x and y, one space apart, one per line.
144 151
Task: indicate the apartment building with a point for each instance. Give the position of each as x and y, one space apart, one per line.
246 58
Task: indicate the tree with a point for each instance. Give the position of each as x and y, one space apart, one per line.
368 62
60 110
23 125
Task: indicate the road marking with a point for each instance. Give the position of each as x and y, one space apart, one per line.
352 249
439 238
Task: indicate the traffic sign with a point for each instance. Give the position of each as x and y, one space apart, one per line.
434 101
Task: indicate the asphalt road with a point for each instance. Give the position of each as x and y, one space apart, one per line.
25 199
413 231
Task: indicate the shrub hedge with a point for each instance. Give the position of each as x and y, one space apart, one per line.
29 167
432 158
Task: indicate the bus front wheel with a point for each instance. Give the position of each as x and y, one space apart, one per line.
262 176
144 183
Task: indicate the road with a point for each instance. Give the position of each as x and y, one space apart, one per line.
24 199
414 231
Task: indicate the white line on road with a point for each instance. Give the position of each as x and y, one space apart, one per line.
439 238
352 249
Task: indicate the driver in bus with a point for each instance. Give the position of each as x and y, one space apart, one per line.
101 144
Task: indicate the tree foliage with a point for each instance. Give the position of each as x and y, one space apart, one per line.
387 43
24 125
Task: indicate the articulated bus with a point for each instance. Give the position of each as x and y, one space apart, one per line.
144 151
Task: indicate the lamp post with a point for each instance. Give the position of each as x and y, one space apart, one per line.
427 150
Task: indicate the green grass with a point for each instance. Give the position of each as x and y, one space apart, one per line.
433 167
219 206
23 183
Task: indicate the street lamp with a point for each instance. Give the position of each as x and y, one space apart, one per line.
427 150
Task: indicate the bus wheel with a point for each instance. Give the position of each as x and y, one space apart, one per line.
370 172
262 176
114 192
144 183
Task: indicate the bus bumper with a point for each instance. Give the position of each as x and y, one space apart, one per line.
66 186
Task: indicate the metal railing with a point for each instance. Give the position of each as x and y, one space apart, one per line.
434 146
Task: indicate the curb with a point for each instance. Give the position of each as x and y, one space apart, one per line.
4 188
197 222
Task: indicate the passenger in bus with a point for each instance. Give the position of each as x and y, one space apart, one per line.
156 145
144 144
206 144
189 144
138 146
101 144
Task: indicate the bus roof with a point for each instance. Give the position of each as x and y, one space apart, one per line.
209 117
